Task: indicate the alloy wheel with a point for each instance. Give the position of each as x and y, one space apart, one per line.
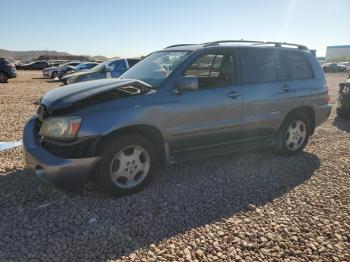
295 135
129 166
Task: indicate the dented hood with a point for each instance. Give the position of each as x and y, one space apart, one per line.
67 96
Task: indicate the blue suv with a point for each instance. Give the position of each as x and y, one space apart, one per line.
179 103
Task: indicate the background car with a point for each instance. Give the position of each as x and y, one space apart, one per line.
81 67
109 69
7 70
36 65
343 108
59 71
333 68
346 64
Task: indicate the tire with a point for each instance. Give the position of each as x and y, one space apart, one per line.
123 170
3 77
54 74
293 135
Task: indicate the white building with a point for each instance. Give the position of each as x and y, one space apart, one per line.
338 52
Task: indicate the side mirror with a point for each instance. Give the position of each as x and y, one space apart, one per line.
186 83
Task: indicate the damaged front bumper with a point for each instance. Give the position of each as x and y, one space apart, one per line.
68 173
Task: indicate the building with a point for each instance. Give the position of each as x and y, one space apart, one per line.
338 53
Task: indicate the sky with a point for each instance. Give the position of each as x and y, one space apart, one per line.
135 27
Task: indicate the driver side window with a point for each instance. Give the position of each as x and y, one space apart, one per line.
213 70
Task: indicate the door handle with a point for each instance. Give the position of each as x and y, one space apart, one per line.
233 95
286 88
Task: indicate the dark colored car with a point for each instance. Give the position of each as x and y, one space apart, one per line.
37 65
109 69
176 104
7 70
333 68
343 108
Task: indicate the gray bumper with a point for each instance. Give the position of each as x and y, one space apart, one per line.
322 113
65 173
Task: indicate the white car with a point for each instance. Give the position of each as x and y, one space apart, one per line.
346 64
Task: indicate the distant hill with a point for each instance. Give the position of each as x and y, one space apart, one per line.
15 55
98 57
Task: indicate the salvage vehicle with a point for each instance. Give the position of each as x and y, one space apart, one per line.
109 69
333 68
7 70
59 71
36 65
343 108
81 67
180 103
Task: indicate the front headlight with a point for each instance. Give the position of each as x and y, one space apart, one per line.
60 127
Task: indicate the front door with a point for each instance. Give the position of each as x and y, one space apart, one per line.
210 115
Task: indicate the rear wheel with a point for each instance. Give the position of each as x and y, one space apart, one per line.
293 135
127 165
3 77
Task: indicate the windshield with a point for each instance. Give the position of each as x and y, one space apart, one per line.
156 67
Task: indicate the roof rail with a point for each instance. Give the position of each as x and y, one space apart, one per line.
277 44
178 45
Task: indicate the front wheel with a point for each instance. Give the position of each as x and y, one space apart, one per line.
293 135
54 75
127 165
3 77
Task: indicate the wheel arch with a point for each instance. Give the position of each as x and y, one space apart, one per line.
308 111
151 133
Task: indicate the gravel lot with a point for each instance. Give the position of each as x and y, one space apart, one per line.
246 207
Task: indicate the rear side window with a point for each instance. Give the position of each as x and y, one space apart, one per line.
298 66
262 65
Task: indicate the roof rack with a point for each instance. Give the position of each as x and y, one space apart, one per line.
277 44
178 45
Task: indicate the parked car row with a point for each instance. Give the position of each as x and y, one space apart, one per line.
109 69
177 104
335 67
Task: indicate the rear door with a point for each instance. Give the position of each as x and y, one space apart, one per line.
304 80
268 94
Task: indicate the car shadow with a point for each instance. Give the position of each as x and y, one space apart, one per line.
343 123
185 196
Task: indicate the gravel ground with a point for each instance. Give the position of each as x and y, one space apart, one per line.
246 207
